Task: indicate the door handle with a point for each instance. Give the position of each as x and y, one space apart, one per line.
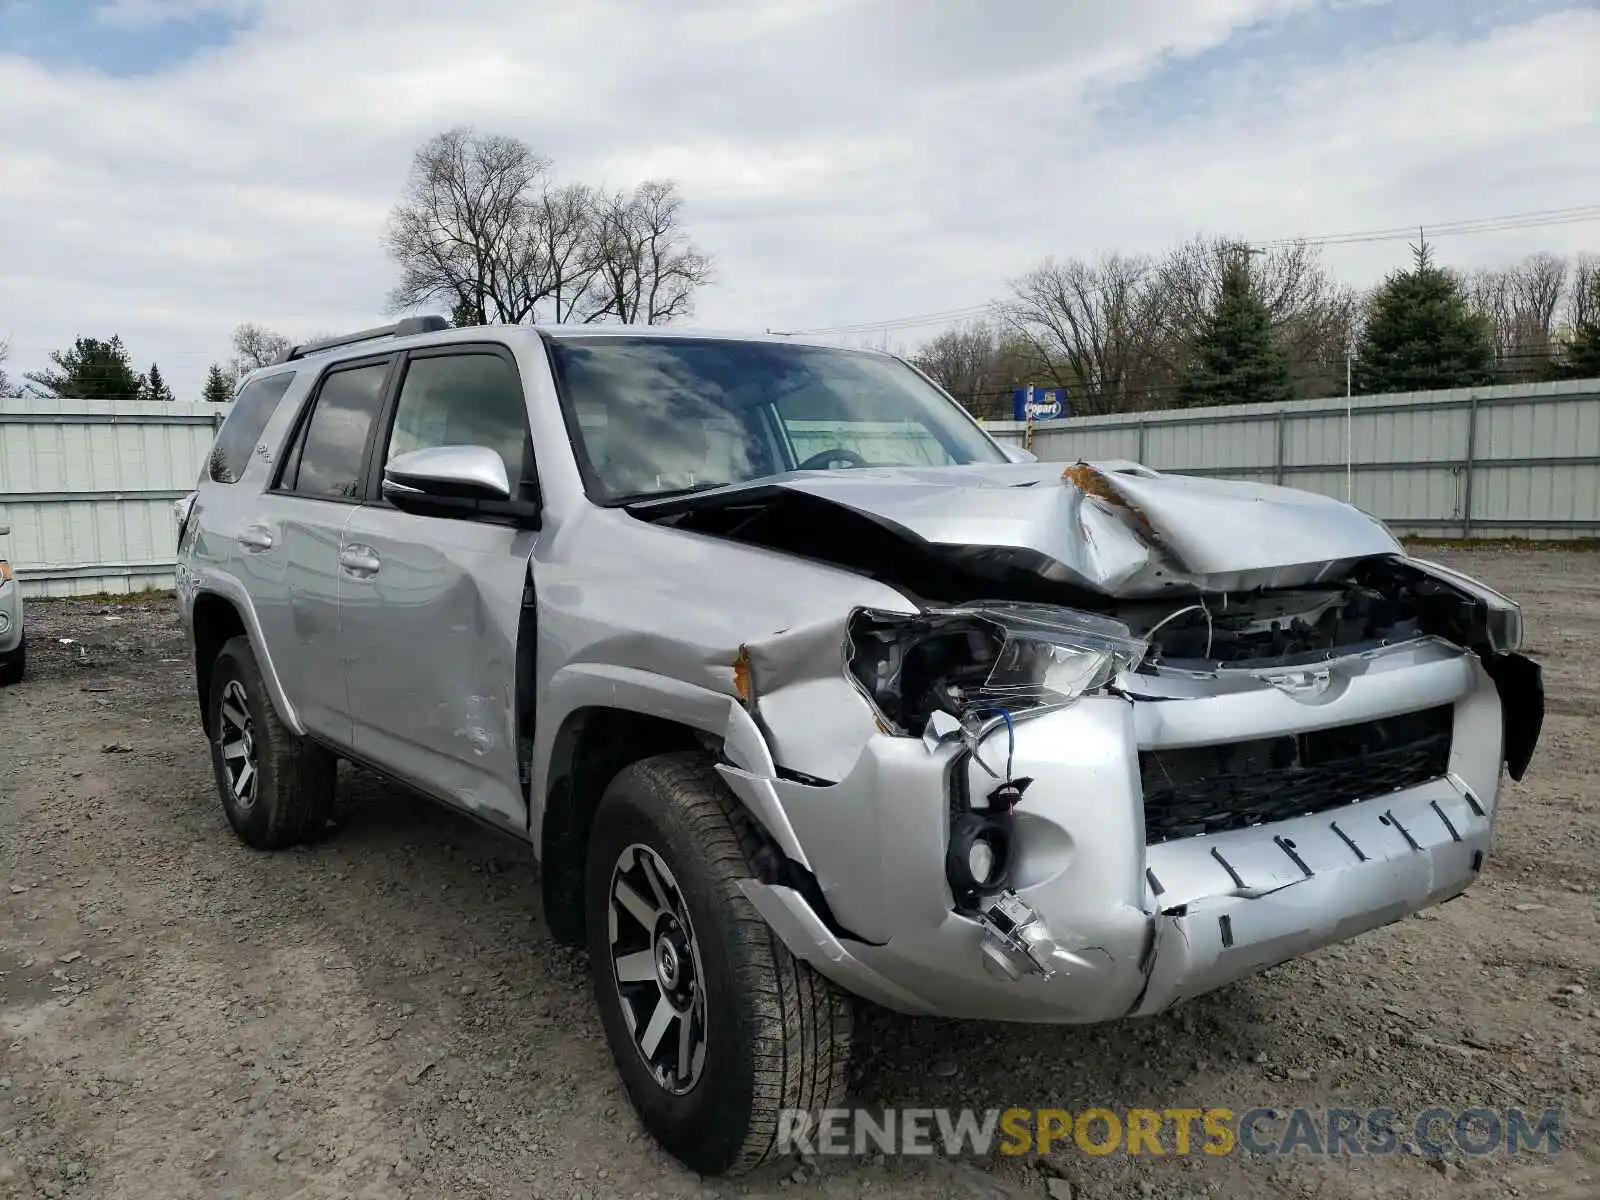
256 537
360 560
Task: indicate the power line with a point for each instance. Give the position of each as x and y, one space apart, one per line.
1575 215
910 322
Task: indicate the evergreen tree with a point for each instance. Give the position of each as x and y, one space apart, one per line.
218 389
1421 334
91 370
1580 358
1238 358
8 390
155 387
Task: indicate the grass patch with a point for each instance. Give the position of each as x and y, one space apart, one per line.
153 595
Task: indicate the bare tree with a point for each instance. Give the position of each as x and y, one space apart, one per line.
1537 286
960 360
483 230
1520 303
255 346
979 365
1090 324
565 231
1489 295
1583 296
648 271
463 230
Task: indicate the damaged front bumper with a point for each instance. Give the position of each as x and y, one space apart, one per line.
1132 916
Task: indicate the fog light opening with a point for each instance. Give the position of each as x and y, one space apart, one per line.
981 862
978 861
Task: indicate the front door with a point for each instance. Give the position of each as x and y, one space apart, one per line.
430 606
289 547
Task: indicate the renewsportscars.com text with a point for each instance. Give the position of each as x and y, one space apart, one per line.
1434 1132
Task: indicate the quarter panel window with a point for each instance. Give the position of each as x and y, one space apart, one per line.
335 441
236 441
472 399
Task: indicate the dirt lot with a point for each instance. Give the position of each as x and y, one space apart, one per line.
384 1015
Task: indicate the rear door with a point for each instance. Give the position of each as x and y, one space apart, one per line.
431 606
289 549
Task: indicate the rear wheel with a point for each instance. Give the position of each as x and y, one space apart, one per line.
276 788
715 1027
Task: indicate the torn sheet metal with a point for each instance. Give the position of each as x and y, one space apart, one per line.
813 716
1218 527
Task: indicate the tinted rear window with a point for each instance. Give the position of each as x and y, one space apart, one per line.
231 452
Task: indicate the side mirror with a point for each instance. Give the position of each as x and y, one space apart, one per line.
462 472
454 481
1015 453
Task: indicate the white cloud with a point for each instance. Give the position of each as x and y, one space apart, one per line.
845 161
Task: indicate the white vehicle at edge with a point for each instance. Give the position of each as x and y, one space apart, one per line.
13 638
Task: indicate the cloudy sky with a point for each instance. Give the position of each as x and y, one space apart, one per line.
169 168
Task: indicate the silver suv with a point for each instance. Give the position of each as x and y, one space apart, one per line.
802 688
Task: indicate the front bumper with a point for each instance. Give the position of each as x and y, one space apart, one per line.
10 618
1136 927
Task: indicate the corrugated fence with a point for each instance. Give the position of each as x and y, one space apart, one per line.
1515 461
87 488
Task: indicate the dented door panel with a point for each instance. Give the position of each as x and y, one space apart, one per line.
434 599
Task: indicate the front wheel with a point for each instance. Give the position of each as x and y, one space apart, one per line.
276 788
716 1028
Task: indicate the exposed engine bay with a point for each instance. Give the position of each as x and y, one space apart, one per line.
1035 588
1015 655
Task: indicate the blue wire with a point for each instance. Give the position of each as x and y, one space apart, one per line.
1011 735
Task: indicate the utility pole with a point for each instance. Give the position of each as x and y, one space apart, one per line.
1349 468
1244 251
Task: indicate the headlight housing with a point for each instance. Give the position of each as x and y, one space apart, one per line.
1500 615
988 658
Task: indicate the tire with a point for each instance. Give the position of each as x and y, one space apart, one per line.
14 668
776 1035
288 795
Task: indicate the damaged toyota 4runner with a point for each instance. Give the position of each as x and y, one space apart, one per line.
801 687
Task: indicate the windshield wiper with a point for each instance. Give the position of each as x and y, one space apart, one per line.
670 494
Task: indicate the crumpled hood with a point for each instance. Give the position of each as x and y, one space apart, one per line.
1113 527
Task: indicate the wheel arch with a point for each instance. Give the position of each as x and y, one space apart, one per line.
591 746
219 613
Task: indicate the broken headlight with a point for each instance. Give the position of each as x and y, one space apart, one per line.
1501 617
996 658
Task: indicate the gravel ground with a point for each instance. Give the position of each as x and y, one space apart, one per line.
384 1014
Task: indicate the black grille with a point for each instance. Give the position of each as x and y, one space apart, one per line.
1211 789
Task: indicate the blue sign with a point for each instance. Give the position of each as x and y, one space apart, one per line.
1039 404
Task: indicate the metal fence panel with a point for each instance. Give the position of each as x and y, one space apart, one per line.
1520 460
87 488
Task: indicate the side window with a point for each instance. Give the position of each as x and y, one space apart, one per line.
332 446
236 442
472 399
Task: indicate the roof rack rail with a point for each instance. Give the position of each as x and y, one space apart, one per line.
405 327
